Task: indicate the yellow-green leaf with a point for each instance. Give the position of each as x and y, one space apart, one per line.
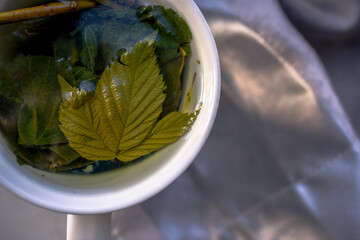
123 110
167 130
71 95
136 87
81 126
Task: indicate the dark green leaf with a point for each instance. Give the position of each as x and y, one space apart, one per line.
89 51
38 90
47 160
114 29
174 34
78 163
117 4
38 125
9 86
66 49
9 112
117 14
117 35
77 75
173 90
169 24
66 153
31 84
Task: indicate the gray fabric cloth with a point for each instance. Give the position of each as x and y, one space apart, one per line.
329 20
282 161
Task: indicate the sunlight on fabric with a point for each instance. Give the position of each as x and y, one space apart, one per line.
306 196
261 81
286 226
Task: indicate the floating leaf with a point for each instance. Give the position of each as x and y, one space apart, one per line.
82 127
73 96
126 104
167 130
138 93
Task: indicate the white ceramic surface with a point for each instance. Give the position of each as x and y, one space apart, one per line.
113 190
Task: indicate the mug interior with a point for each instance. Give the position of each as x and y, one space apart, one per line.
123 187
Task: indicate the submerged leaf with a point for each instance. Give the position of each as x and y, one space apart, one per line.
77 163
47 160
76 75
173 35
123 115
169 24
122 35
66 153
32 82
38 125
40 98
170 72
111 30
89 51
8 87
66 49
116 4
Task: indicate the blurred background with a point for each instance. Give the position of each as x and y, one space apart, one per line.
282 161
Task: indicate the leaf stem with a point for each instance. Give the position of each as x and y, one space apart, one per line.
44 10
183 55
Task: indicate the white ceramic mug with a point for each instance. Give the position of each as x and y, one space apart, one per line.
89 199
